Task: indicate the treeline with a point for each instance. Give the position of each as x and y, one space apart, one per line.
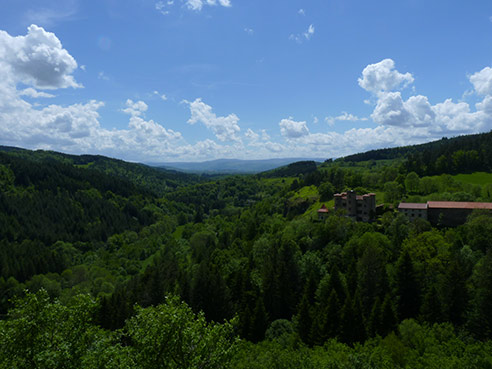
156 180
454 155
40 333
290 170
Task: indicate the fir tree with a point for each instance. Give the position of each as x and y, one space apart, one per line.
480 318
374 321
388 317
454 293
304 320
259 322
406 288
430 310
331 327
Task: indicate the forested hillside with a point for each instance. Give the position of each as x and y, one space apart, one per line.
454 155
240 265
157 180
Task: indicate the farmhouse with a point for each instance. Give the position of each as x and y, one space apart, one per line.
443 213
360 208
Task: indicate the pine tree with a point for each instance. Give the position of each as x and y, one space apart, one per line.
374 321
331 328
310 288
336 284
351 279
359 321
431 310
259 322
480 318
372 280
352 321
388 316
346 321
304 320
407 288
454 293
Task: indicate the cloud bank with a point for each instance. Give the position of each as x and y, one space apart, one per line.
34 65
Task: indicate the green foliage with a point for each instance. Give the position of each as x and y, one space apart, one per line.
326 191
480 320
412 182
43 334
393 191
459 154
414 346
40 333
479 228
430 253
172 336
245 246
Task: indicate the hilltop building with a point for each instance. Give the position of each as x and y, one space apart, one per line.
442 213
360 208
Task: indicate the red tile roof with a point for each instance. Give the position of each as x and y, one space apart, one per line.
412 206
459 205
323 209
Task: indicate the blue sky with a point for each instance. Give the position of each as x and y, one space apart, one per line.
192 80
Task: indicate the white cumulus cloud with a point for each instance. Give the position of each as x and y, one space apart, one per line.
73 128
291 129
383 76
31 92
482 81
224 128
257 137
433 121
135 108
252 135
343 117
37 59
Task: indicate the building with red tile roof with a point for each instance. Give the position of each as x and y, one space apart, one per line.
323 212
443 213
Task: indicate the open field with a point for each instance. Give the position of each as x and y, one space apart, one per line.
479 178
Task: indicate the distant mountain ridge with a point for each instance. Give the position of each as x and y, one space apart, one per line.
233 166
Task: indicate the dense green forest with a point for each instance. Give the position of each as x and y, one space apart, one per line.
107 264
455 155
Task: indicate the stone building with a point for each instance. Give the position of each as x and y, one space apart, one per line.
413 210
443 213
360 208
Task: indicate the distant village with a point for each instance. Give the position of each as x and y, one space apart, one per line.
363 208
